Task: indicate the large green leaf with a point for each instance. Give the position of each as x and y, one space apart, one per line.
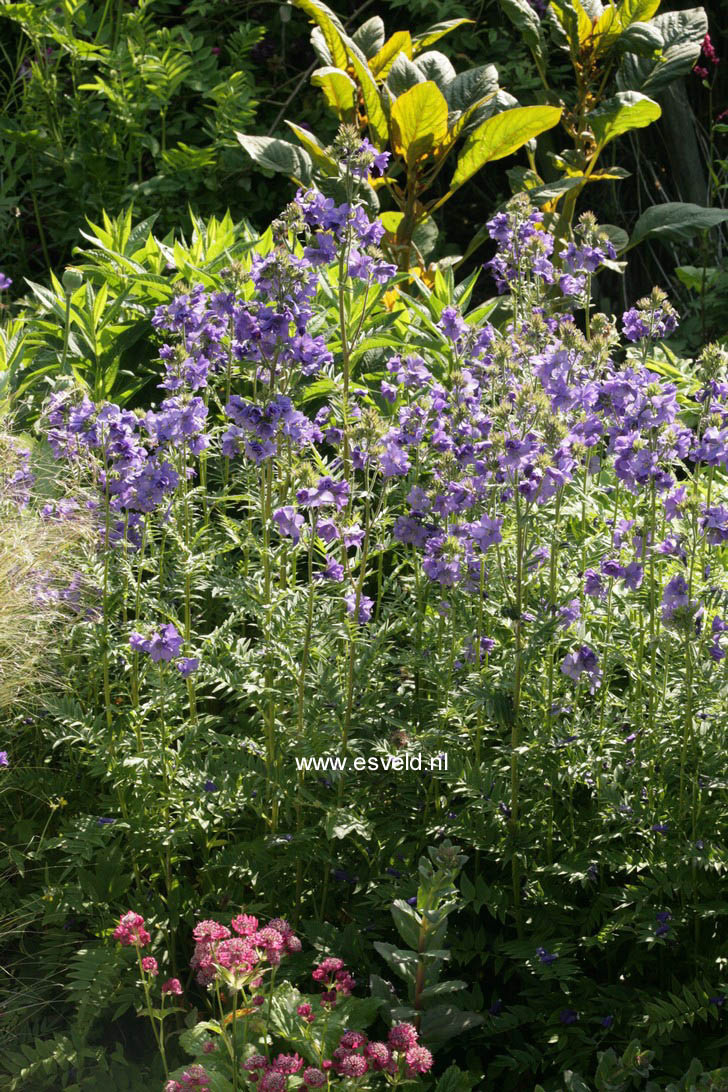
436 67
525 20
325 163
434 33
277 155
402 75
625 111
500 136
574 21
681 35
383 59
330 27
419 121
370 36
471 86
455 1079
372 100
676 222
636 11
339 90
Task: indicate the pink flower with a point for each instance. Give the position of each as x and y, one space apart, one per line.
328 967
130 930
378 1054
272 1082
172 985
353 1066
195 1077
418 1059
287 1063
306 1013
210 931
149 964
245 924
402 1036
173 1086
255 1061
352 1040
209 1047
281 926
313 1077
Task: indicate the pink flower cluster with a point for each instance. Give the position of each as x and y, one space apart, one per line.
130 930
216 947
335 977
271 1076
401 1046
194 1077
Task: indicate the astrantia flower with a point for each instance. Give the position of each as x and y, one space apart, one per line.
313 1077
419 1060
130 930
149 964
402 1037
172 986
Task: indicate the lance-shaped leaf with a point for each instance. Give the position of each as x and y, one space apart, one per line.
372 100
277 155
330 26
419 121
325 163
435 32
626 111
339 90
681 34
382 61
500 136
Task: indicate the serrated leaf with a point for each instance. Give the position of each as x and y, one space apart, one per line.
625 111
418 121
500 136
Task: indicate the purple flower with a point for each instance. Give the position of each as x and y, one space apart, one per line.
487 532
674 598
568 1016
186 665
139 643
365 606
4 758
607 1021
583 661
326 492
166 644
5 282
546 957
452 324
332 571
289 521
